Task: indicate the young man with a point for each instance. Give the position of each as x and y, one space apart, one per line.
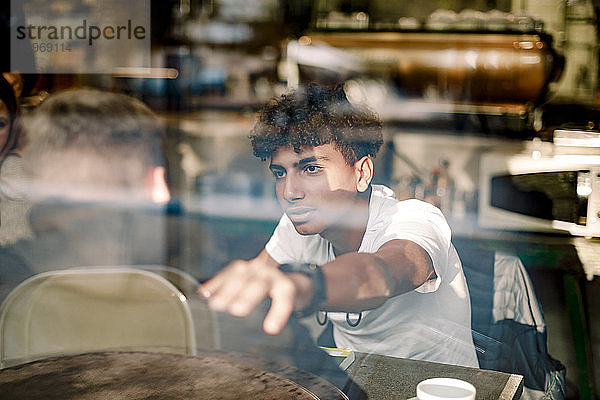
385 271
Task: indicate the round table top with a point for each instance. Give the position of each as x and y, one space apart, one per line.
139 375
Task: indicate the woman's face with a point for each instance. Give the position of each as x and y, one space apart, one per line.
4 125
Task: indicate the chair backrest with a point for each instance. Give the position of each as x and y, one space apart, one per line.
182 280
205 319
91 309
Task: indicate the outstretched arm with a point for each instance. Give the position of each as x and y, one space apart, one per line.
363 281
354 282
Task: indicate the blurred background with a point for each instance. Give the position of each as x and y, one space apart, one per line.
491 112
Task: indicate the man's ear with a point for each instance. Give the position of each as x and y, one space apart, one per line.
364 173
159 190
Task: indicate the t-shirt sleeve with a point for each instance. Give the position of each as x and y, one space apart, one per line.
282 244
423 224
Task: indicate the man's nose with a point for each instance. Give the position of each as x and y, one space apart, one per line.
292 189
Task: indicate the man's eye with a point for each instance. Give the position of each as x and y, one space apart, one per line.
312 169
278 173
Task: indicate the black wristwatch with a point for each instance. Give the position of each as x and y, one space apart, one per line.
319 288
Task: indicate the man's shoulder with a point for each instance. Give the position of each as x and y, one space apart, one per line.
408 219
34 255
384 200
382 192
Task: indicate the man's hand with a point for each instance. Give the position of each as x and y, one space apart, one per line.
362 281
243 285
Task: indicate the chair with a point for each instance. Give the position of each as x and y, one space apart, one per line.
508 325
91 309
183 281
205 319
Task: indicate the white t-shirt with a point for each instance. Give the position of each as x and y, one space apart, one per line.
432 322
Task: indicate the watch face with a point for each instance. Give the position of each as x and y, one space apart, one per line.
302 268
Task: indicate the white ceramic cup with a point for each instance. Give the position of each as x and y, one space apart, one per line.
445 389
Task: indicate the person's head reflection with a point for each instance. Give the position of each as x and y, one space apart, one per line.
97 167
88 145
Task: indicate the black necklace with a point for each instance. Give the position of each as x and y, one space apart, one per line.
348 320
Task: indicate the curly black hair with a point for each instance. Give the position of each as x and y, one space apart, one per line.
315 116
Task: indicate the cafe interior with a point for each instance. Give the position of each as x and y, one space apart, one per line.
490 111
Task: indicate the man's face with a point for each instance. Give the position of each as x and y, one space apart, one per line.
316 188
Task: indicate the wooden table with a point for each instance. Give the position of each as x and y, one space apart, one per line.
384 378
139 375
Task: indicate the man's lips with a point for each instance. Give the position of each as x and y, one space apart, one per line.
299 214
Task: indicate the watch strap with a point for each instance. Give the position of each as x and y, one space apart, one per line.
319 288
